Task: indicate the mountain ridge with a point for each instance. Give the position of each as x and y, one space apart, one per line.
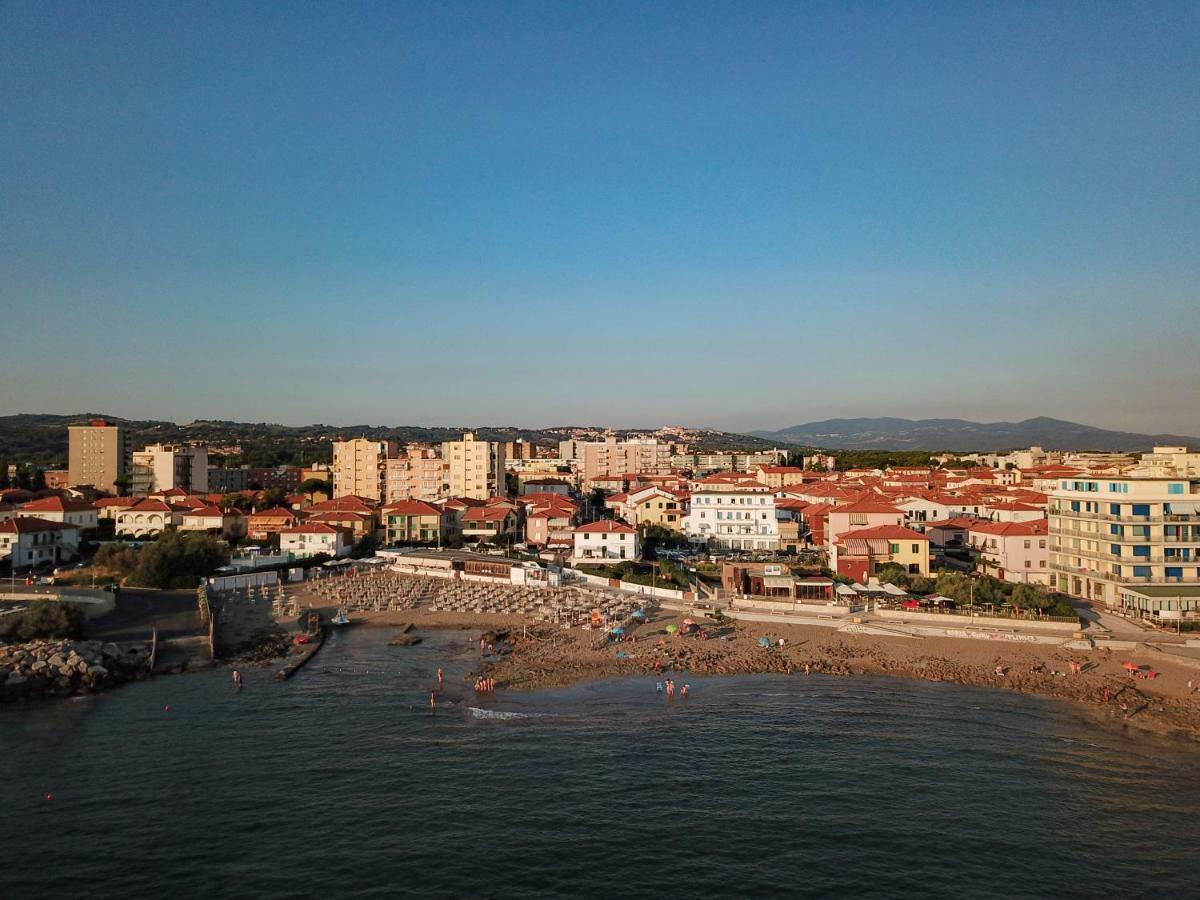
964 435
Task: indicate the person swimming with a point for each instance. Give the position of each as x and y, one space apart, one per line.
658 687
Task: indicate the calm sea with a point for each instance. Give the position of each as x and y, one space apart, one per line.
343 783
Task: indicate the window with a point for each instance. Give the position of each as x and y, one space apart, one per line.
1028 544
1028 564
895 548
1174 488
916 548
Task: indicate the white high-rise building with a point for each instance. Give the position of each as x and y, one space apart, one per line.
164 467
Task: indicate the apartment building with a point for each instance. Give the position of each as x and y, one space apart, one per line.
733 515
228 481
1111 532
418 474
611 457
98 454
163 467
360 468
474 469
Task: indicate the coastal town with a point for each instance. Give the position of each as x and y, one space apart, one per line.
634 554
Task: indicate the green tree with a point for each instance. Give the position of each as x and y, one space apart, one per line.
5 481
178 559
115 558
365 547
310 486
39 480
43 619
276 496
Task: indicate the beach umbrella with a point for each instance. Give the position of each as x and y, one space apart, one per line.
639 614
672 628
1130 666
618 630
687 621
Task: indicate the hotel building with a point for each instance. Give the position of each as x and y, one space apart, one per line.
1112 533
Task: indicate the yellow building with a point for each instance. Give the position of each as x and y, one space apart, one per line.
655 506
474 468
360 468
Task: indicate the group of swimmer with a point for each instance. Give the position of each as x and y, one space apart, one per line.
670 688
483 685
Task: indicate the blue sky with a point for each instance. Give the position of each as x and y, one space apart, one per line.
742 215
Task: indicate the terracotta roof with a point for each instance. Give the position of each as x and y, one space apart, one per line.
275 512
486 514
150 504
605 526
867 506
314 528
1010 529
105 502
412 508
883 533
57 504
207 512
31 524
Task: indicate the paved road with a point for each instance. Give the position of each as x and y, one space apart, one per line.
139 611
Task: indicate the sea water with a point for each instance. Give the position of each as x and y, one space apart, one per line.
344 782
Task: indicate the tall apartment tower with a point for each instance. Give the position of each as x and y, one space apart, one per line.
163 467
473 468
97 454
360 468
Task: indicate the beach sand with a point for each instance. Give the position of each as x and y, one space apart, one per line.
536 655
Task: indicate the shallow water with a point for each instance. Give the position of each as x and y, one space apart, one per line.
344 783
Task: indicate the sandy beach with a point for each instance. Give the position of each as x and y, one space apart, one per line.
534 655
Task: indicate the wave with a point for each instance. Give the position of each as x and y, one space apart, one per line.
478 713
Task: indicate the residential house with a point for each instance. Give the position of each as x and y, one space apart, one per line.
311 539
59 509
415 522
215 521
859 553
261 524
30 541
605 541
1013 551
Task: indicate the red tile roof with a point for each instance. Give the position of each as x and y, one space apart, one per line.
605 526
32 524
412 508
57 504
883 533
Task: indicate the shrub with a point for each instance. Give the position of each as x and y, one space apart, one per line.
43 619
178 560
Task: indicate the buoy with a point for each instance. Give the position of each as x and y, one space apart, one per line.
166 709
49 796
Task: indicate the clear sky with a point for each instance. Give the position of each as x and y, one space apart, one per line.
742 215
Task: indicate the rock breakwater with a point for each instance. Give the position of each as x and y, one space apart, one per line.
50 668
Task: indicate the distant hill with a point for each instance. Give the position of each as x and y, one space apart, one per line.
41 440
961 436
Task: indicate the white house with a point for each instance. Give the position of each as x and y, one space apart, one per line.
1013 551
146 518
214 520
733 515
56 509
29 541
605 540
309 540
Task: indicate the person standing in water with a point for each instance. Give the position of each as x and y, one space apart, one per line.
237 678
433 699
439 678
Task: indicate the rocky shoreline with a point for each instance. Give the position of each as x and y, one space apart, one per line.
58 668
